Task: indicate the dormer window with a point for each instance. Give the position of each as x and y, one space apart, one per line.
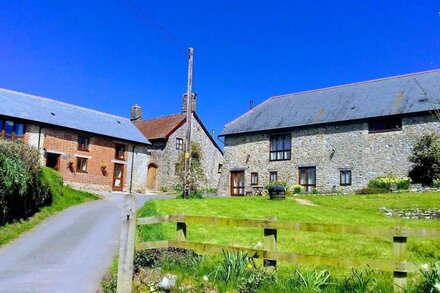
83 143
120 150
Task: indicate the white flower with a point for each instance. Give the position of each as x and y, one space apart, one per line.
424 267
205 278
437 286
258 244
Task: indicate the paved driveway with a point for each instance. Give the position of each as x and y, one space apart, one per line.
68 252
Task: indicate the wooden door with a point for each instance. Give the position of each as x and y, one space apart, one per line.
152 173
118 179
307 178
237 183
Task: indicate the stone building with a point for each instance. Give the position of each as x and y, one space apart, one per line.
167 136
332 139
90 149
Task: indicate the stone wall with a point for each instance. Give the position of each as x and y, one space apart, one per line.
329 149
167 158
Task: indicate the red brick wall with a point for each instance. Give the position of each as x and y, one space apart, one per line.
101 151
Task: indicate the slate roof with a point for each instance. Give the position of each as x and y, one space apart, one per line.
52 112
376 98
161 127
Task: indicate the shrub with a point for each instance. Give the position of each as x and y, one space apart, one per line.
297 189
436 183
178 188
426 159
276 183
253 279
371 191
390 182
23 189
164 188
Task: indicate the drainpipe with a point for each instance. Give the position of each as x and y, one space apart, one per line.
39 136
132 167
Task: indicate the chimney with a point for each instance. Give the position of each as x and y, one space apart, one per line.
251 104
193 103
136 113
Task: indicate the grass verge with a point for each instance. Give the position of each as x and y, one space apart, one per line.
62 198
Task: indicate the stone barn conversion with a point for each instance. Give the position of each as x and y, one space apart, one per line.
91 149
332 139
167 136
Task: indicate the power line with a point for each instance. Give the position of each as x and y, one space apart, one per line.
149 21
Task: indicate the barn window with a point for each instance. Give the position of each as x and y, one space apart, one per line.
280 147
345 176
81 165
273 176
179 143
254 178
120 150
11 130
83 143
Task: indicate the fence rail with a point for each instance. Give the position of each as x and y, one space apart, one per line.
270 255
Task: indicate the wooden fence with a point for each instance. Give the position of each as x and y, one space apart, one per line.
399 265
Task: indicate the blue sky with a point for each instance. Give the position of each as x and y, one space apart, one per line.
109 55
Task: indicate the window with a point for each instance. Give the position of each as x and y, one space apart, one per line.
120 150
273 176
179 143
81 165
384 125
280 147
220 166
11 130
345 177
254 178
83 143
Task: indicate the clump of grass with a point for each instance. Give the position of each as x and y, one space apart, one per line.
62 198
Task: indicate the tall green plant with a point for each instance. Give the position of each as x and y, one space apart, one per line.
426 159
197 178
233 267
311 281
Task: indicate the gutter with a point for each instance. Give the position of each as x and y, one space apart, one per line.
132 167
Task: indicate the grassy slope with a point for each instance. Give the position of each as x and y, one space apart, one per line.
356 210
63 197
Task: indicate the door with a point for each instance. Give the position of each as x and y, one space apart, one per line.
237 183
151 180
53 161
307 178
118 181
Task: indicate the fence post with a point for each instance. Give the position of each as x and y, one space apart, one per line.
400 257
126 246
180 228
270 244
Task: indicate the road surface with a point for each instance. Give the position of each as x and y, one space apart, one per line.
69 252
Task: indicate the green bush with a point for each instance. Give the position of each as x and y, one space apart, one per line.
390 182
436 183
372 191
426 159
164 188
23 188
311 281
297 189
276 183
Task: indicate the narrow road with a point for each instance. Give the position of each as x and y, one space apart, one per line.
69 252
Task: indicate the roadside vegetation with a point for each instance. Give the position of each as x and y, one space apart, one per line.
30 193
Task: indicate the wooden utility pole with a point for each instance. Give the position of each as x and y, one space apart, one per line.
189 94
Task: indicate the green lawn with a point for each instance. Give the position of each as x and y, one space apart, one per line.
343 209
63 197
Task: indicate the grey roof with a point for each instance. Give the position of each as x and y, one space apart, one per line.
43 110
376 98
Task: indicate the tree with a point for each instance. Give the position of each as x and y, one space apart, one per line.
197 173
426 159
